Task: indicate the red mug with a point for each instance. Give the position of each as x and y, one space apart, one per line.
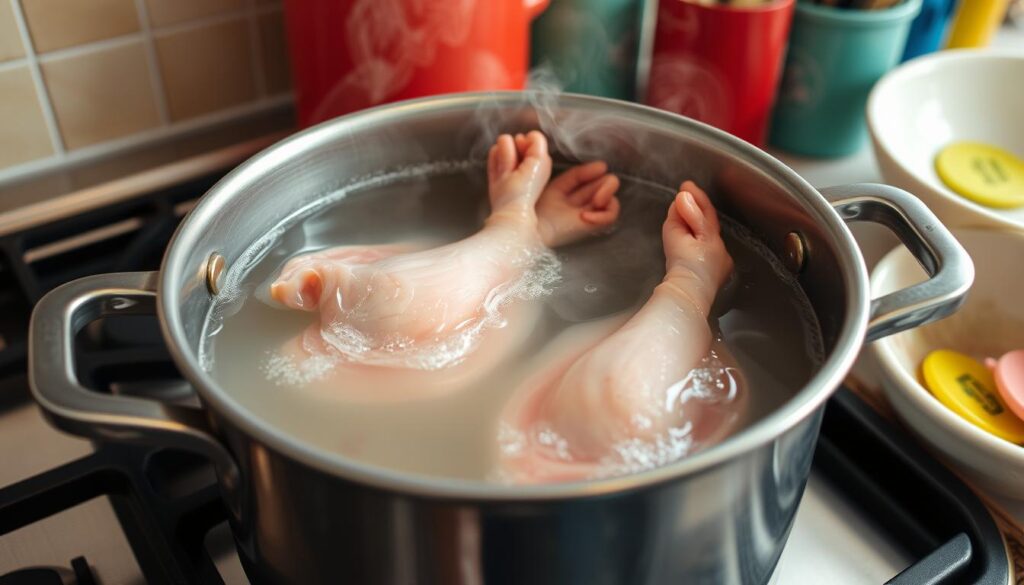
720 64
348 55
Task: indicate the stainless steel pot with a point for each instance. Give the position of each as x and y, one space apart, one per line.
304 515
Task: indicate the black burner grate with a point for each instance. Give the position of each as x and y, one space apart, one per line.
126 236
167 503
79 574
164 522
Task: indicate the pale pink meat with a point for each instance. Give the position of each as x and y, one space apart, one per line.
625 393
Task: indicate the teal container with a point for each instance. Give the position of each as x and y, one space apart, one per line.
591 46
835 56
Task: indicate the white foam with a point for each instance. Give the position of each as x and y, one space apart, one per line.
712 382
511 441
635 454
283 370
549 438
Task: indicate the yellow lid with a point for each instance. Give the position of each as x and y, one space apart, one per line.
982 173
967 388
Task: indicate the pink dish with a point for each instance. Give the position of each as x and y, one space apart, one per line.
1009 375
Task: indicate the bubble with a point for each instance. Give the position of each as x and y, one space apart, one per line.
590 288
511 441
556 444
285 371
635 454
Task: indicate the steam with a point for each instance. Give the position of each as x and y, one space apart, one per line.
568 134
388 41
631 256
597 129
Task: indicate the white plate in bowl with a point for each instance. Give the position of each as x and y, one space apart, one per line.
934 100
990 323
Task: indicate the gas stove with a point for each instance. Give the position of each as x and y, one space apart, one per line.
877 508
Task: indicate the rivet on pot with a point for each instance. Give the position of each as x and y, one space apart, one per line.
795 249
214 273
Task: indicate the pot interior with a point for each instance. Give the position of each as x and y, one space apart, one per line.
648 145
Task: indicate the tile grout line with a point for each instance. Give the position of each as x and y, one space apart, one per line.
190 25
92 47
112 42
13 64
37 80
256 54
145 137
147 36
156 80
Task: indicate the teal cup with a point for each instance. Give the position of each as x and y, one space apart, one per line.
835 56
591 46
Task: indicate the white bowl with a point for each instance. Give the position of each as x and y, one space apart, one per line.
990 323
920 107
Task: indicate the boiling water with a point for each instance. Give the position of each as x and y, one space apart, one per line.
762 319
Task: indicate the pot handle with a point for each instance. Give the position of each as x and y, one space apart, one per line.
69 406
943 258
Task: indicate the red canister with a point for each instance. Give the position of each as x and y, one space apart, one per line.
351 54
720 63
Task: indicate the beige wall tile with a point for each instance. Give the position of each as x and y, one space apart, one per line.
274 53
56 24
10 38
101 95
165 12
206 69
23 135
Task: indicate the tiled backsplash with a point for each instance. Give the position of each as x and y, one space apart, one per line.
81 78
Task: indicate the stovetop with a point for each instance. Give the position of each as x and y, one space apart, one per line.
73 512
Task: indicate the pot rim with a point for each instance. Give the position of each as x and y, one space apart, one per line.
801 405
